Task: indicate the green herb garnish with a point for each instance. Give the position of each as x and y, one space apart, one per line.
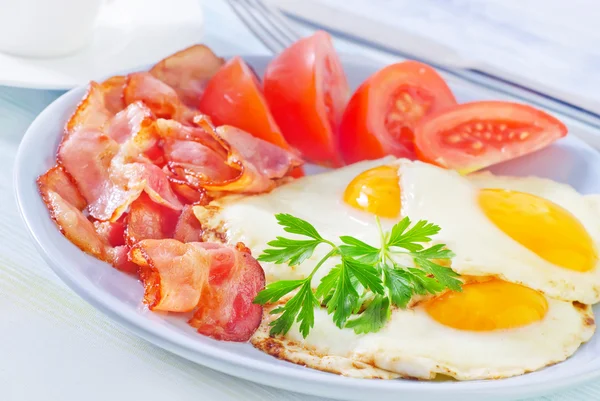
361 289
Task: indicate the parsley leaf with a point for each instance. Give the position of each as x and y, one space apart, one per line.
300 308
277 290
444 275
410 239
295 225
399 283
344 297
366 274
355 248
289 251
373 318
422 283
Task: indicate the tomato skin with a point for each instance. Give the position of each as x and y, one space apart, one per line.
364 131
472 136
233 96
306 90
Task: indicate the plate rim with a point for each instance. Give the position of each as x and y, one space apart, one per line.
310 381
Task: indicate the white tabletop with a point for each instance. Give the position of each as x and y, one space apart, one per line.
54 345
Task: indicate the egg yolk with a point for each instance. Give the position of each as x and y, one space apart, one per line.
489 305
376 190
541 226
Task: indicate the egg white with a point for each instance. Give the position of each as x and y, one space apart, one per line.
413 345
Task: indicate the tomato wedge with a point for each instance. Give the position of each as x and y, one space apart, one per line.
307 91
473 136
233 97
383 112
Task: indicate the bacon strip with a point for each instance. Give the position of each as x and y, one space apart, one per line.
174 274
108 174
81 232
74 225
91 112
129 122
86 155
149 220
188 193
197 164
58 180
188 72
188 228
113 89
171 130
260 163
119 258
225 311
111 233
158 96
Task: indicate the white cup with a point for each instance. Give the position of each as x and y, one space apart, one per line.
46 28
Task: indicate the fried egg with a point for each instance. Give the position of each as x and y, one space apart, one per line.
530 231
491 330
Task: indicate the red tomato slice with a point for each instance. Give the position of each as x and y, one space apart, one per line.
233 97
472 136
307 91
383 112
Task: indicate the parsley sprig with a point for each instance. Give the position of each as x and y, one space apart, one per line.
361 289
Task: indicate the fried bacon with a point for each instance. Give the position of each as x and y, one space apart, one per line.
149 220
188 72
74 225
111 233
260 163
135 157
128 122
82 232
188 228
113 93
58 180
158 96
91 112
174 274
197 164
173 130
220 282
86 155
106 171
225 311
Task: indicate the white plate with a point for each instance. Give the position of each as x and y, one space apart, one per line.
119 296
129 33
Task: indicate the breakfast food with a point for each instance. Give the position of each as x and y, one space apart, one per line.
307 90
472 136
489 313
132 157
186 176
415 344
530 230
382 114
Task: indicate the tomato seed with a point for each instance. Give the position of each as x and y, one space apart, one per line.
453 139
